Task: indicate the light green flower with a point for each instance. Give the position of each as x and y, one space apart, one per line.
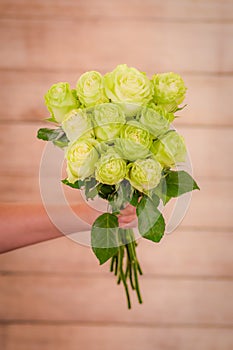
134 142
169 149
130 109
154 120
128 85
108 121
111 168
169 90
90 89
144 174
162 111
81 158
77 124
60 100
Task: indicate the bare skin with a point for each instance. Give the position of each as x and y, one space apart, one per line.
23 224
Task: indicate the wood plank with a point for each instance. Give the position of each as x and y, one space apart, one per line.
98 337
201 143
202 146
210 207
35 45
183 253
168 10
2 337
99 299
20 189
208 97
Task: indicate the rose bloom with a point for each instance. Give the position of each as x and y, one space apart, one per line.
60 100
81 158
90 89
126 84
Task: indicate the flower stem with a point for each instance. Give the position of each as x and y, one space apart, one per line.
125 264
134 263
113 260
129 265
121 254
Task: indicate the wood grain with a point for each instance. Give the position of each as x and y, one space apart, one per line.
208 97
183 253
207 209
187 10
91 44
74 298
103 337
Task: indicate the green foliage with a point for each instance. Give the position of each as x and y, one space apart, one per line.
106 191
90 188
57 136
179 182
135 197
174 184
104 237
151 223
77 184
88 184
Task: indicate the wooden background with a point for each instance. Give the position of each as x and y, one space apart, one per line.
54 295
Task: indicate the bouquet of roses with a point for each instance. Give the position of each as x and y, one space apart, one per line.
119 145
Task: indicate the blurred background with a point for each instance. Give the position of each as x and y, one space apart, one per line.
54 295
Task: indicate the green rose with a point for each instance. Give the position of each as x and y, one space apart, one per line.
81 159
130 109
154 120
60 100
111 168
134 142
128 85
169 149
90 89
144 174
162 111
169 90
77 124
108 121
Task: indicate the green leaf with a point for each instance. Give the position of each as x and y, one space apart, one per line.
91 194
90 188
151 224
106 191
135 197
155 199
104 237
61 142
178 183
180 108
49 134
122 195
51 119
78 184
126 190
57 136
161 191
88 184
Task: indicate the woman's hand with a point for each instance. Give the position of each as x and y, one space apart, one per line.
127 216
88 214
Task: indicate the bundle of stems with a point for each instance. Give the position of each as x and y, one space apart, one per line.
125 264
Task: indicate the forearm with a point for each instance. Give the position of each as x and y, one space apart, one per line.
25 224
22 225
